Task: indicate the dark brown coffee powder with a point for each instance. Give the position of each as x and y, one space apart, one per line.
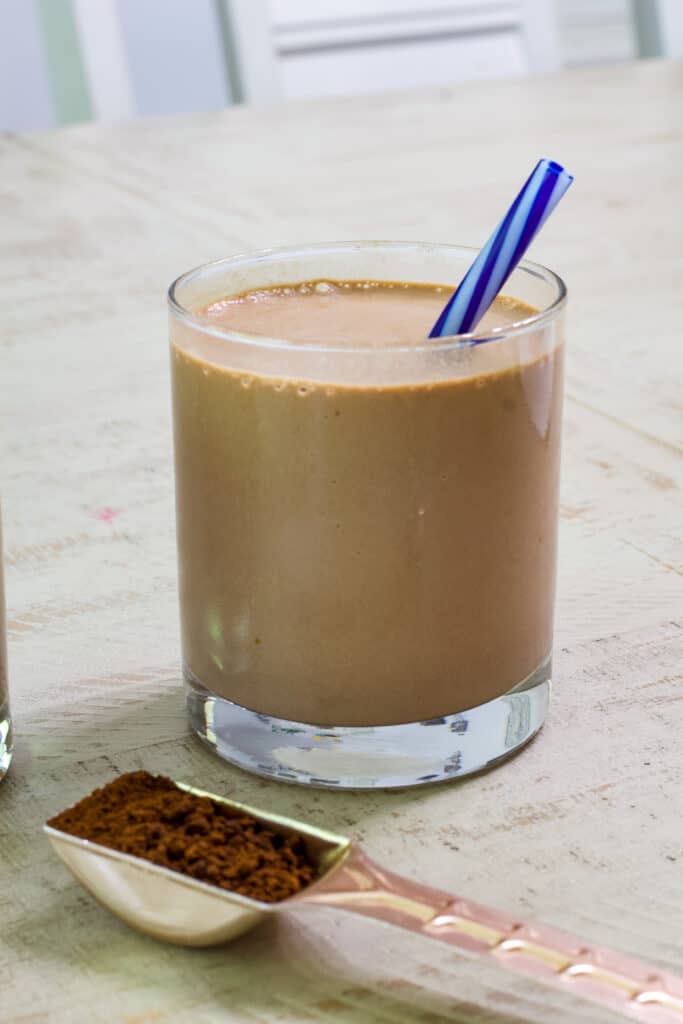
149 816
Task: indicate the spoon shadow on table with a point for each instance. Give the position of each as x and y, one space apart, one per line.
281 966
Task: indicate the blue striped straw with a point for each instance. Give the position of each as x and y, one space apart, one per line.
537 199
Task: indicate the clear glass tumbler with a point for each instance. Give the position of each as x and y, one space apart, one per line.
366 534
5 719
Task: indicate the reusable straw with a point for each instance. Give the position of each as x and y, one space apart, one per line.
537 199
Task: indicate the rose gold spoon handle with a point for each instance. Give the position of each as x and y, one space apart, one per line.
622 983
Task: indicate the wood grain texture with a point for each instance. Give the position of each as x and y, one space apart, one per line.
581 830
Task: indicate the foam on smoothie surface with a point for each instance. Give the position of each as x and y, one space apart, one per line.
319 312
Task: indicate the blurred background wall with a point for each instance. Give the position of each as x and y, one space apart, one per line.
76 60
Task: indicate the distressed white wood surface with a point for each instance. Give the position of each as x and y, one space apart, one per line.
583 829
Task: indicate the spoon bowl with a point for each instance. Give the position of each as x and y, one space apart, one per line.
174 907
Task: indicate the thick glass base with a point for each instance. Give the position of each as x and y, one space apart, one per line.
383 757
6 746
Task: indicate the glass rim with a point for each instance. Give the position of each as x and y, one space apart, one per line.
454 341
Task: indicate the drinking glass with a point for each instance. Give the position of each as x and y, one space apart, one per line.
366 532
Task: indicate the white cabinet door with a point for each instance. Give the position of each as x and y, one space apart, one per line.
336 71
310 48
297 12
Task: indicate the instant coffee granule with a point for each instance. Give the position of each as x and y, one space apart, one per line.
149 816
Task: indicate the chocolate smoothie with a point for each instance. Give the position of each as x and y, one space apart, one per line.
375 545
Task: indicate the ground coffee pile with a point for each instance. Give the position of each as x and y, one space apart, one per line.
149 816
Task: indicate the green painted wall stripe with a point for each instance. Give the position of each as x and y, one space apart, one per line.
64 61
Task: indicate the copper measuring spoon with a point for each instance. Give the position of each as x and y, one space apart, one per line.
173 907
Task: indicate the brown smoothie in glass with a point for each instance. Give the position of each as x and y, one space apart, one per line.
365 553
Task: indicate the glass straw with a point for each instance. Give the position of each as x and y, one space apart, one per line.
537 199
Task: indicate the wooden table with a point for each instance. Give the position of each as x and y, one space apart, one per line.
583 829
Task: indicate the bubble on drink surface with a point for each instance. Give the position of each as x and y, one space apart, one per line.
218 307
304 289
324 288
245 382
